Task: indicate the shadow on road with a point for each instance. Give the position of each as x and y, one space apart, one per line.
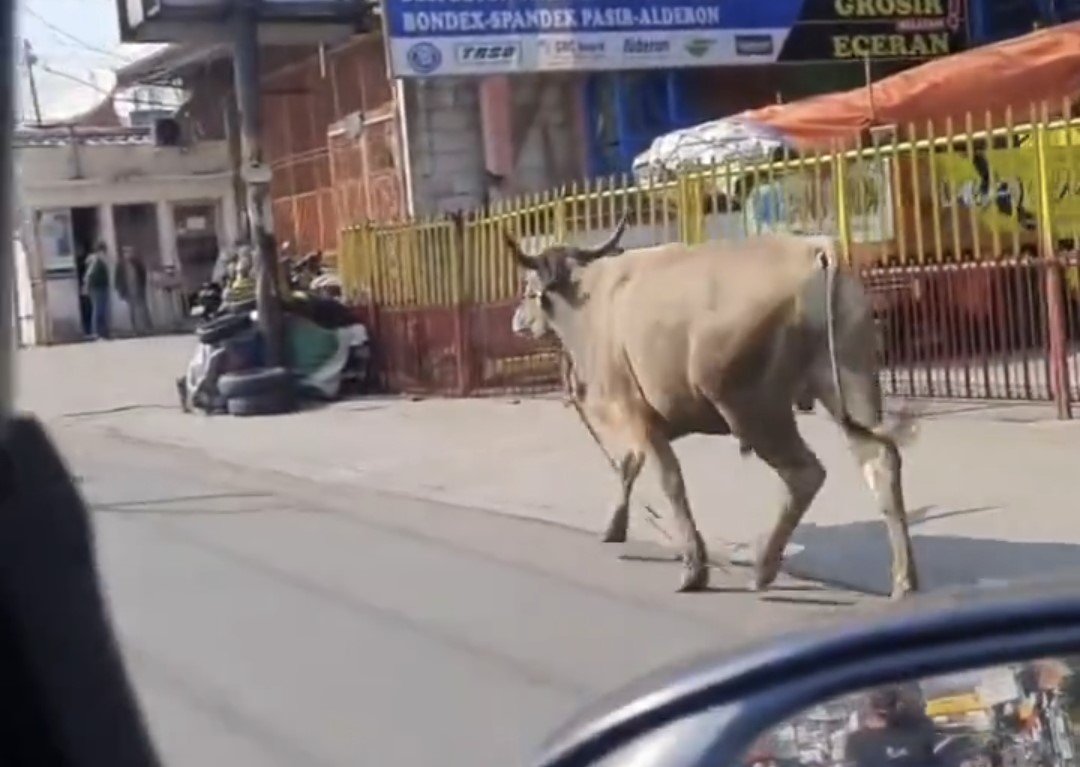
208 504
857 556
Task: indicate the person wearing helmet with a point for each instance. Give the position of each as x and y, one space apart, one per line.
894 733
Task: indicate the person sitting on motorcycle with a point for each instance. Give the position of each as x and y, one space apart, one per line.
241 283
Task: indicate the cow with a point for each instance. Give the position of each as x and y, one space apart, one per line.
721 338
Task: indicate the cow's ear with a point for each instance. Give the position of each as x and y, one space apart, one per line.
524 260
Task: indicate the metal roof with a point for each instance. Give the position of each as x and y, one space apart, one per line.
169 63
33 138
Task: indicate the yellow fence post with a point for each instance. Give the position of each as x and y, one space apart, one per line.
1055 311
843 222
682 202
560 215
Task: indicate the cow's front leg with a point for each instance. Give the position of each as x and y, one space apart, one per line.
629 468
776 440
694 556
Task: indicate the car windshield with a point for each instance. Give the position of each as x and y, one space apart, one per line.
555 403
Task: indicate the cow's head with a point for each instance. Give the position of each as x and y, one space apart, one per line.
551 279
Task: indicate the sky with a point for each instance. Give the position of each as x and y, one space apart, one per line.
77 44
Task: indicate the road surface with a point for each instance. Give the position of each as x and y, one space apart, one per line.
268 621
991 489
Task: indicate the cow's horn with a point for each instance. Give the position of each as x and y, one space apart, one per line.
524 259
607 248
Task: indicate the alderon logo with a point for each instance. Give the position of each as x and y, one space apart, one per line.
641 46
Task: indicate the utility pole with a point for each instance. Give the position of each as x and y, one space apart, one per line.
30 60
256 175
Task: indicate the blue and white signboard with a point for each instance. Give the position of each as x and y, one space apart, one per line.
432 38
476 37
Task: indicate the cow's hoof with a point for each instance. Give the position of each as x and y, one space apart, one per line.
617 528
765 573
902 590
614 535
695 578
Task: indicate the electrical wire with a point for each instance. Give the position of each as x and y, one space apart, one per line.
73 38
95 86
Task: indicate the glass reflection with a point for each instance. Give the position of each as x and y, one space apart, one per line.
1018 715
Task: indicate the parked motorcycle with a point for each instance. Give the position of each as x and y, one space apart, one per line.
312 276
227 332
301 272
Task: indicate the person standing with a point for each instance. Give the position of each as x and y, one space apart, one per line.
131 286
96 287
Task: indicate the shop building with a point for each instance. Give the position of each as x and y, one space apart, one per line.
121 186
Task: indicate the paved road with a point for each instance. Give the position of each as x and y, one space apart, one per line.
272 622
990 490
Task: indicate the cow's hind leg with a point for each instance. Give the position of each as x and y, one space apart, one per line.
694 556
629 468
776 440
879 457
881 466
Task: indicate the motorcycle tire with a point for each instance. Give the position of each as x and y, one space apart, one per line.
275 402
223 328
254 383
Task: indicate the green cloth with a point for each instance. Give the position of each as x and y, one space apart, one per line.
309 346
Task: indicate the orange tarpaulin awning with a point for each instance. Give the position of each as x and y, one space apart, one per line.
1042 67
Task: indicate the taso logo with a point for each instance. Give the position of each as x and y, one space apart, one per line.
488 53
639 46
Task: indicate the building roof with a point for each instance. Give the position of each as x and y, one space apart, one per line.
173 61
170 62
32 138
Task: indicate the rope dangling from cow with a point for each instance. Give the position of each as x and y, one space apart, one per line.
571 384
886 436
828 263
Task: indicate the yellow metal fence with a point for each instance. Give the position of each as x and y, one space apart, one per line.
970 190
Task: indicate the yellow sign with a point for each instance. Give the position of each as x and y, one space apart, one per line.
893 29
1002 185
880 9
954 705
898 45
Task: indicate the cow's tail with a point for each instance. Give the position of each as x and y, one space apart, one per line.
902 429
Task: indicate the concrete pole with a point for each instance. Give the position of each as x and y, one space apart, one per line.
256 175
7 254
